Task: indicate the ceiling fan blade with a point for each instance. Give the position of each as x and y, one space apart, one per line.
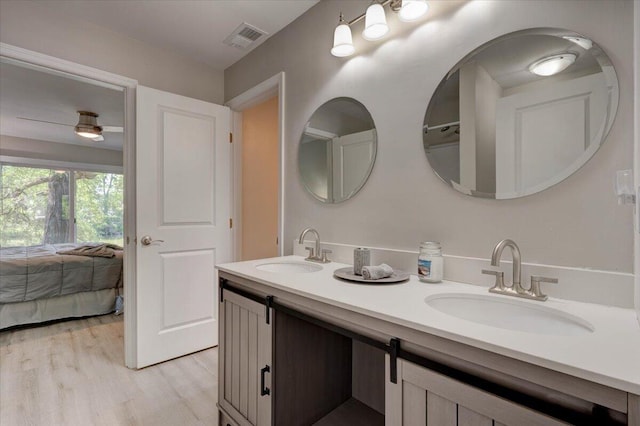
44 121
113 129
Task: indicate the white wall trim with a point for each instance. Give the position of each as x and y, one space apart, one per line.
578 284
128 86
257 94
54 164
636 220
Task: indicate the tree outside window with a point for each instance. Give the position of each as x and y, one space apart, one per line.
35 206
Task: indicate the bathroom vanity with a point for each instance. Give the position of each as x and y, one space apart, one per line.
298 347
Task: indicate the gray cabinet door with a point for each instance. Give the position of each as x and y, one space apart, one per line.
423 397
245 361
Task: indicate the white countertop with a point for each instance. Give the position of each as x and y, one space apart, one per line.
610 355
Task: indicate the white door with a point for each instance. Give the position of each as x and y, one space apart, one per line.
352 155
543 136
183 160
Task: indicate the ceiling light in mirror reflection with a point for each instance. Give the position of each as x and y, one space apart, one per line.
552 65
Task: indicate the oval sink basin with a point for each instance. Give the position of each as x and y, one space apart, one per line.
509 314
289 267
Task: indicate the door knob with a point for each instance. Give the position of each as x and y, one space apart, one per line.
147 240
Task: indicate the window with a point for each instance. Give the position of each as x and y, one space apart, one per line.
37 206
99 206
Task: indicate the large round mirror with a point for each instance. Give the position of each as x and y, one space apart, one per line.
337 150
520 113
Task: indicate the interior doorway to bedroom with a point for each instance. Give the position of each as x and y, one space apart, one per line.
61 196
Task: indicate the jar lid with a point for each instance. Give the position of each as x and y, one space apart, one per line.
430 245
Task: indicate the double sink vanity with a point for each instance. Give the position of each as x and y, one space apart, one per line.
299 346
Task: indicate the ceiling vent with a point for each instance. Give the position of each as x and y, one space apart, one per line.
244 36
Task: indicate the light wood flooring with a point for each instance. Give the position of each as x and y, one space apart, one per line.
72 373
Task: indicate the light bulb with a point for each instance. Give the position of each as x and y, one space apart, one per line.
88 135
412 10
375 23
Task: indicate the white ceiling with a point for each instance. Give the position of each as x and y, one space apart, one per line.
35 94
194 28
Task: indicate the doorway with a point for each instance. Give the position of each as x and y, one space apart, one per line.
62 198
258 175
80 165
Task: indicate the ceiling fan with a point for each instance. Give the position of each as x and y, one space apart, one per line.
87 126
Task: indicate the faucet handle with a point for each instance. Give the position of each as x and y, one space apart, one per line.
535 286
325 252
498 287
312 253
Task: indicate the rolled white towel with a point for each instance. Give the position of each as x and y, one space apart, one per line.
377 272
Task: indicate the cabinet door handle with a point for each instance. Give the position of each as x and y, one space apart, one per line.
264 390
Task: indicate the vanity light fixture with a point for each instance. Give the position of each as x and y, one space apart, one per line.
342 41
412 10
375 26
375 23
551 65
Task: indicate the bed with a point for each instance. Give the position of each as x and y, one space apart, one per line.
38 284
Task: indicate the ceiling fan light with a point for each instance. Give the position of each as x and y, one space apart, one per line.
89 135
412 10
342 40
87 126
90 132
552 65
375 23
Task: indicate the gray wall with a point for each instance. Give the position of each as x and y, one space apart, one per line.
576 223
42 150
31 25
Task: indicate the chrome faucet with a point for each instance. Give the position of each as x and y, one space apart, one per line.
314 253
515 289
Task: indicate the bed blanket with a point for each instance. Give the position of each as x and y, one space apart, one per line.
93 250
30 273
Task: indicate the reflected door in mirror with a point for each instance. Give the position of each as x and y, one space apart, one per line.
337 150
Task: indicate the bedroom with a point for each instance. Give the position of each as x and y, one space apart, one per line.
62 203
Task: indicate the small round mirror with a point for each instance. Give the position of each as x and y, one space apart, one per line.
337 150
520 113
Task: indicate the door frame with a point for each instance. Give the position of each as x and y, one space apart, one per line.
261 92
128 86
636 219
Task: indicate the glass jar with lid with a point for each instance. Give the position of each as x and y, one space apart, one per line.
430 262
